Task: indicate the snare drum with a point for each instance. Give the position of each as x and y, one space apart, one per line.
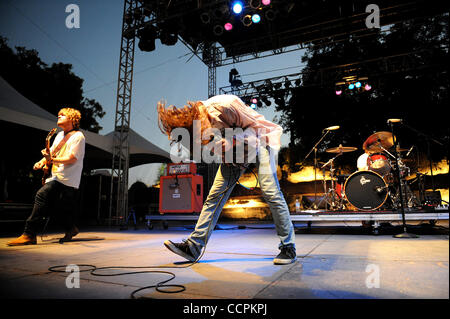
379 163
366 190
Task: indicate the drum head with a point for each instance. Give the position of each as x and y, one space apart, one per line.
379 163
366 190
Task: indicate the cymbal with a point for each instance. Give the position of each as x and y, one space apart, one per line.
375 142
341 149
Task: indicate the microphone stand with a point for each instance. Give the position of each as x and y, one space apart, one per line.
315 164
428 139
405 234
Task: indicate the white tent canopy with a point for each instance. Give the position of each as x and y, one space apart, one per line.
16 108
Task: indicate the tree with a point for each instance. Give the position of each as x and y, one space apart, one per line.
50 87
407 67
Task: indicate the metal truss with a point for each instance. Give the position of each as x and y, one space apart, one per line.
118 207
280 87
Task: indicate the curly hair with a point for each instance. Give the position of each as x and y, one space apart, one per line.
73 114
172 117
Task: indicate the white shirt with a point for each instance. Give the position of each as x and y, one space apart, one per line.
230 111
69 174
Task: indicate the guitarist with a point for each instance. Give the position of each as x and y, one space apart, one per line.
66 161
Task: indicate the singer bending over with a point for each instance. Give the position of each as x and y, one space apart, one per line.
229 111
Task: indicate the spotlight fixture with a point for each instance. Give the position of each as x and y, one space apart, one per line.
358 84
256 18
270 15
367 87
351 86
218 30
338 92
237 7
147 36
228 26
247 20
168 38
265 2
205 17
255 4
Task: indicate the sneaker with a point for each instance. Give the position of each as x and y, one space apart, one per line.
286 256
183 249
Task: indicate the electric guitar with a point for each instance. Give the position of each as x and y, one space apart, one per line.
48 164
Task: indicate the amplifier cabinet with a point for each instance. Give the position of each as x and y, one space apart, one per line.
181 194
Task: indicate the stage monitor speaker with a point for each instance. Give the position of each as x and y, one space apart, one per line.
181 194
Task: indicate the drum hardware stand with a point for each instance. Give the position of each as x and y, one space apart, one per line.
428 140
409 195
405 234
335 203
315 164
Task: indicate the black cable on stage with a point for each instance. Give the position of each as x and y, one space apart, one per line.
163 284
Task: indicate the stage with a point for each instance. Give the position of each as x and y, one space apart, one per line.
333 262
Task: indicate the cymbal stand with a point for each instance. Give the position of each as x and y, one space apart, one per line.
331 193
410 197
315 164
405 234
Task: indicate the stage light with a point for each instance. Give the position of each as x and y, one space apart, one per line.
358 84
256 18
367 87
228 26
237 7
168 38
205 17
253 106
218 30
147 36
247 20
351 86
254 101
266 2
338 92
270 15
255 4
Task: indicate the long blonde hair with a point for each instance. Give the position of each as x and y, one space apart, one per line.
172 117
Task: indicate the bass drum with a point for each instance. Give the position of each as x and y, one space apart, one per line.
366 190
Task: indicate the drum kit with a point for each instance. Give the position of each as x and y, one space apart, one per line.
374 185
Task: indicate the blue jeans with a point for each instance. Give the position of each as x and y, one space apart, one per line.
227 176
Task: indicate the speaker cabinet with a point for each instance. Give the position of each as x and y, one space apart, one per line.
181 194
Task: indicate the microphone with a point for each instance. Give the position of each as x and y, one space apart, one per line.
332 128
394 120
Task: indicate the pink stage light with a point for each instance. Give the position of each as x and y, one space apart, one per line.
266 2
367 87
338 92
228 26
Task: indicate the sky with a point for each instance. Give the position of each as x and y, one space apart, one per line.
170 72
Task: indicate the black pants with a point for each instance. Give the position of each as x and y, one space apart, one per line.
52 195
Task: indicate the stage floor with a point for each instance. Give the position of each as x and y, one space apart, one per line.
237 264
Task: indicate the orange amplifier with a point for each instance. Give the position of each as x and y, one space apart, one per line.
181 193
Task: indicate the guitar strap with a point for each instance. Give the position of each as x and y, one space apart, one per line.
61 144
